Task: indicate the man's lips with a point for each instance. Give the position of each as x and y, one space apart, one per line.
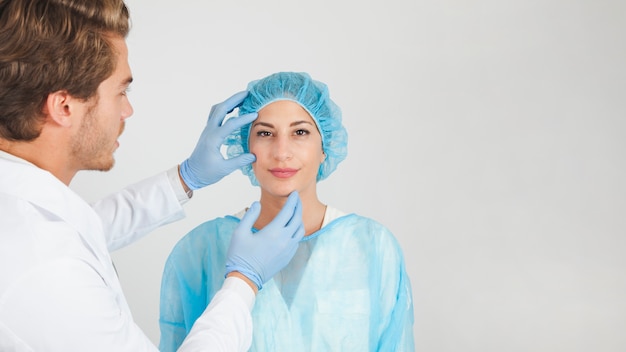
283 173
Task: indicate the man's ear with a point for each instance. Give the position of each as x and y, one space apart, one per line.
58 108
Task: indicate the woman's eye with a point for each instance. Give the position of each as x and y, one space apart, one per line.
302 132
263 133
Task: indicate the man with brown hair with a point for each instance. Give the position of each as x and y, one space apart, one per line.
63 78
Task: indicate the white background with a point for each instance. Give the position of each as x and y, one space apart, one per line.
488 135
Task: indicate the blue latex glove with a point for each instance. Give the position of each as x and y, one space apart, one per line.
207 165
259 256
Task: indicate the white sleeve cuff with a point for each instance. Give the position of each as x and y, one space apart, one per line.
241 288
179 190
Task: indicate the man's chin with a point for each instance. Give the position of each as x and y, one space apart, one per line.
108 167
102 166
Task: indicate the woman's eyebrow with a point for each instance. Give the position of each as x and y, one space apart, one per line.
295 123
260 123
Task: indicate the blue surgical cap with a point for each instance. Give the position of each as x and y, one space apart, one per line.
313 96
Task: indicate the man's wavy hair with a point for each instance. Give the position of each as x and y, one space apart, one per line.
53 45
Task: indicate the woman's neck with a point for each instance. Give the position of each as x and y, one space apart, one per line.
313 212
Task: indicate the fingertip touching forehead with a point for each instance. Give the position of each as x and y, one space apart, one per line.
314 97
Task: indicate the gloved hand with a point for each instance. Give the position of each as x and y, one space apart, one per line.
259 256
207 165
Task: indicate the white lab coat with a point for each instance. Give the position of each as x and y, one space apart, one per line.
58 288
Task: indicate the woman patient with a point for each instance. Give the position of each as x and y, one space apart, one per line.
346 289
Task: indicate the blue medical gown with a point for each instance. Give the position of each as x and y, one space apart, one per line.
346 289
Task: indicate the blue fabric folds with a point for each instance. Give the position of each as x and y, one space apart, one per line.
345 290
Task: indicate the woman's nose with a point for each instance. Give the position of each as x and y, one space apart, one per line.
282 149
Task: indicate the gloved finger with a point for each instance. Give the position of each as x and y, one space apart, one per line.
220 110
287 212
299 233
235 100
249 218
296 225
236 122
297 214
239 161
296 220
297 236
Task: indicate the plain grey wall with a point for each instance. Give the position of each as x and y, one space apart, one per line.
488 135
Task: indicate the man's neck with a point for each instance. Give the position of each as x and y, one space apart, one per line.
44 157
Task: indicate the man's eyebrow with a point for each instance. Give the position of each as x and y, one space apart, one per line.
127 81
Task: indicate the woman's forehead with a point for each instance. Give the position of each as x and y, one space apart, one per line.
284 110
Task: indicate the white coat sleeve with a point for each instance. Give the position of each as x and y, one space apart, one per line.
65 307
133 212
226 324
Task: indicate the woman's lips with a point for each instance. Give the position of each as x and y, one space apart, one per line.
283 173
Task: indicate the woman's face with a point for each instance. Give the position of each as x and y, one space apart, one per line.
288 149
